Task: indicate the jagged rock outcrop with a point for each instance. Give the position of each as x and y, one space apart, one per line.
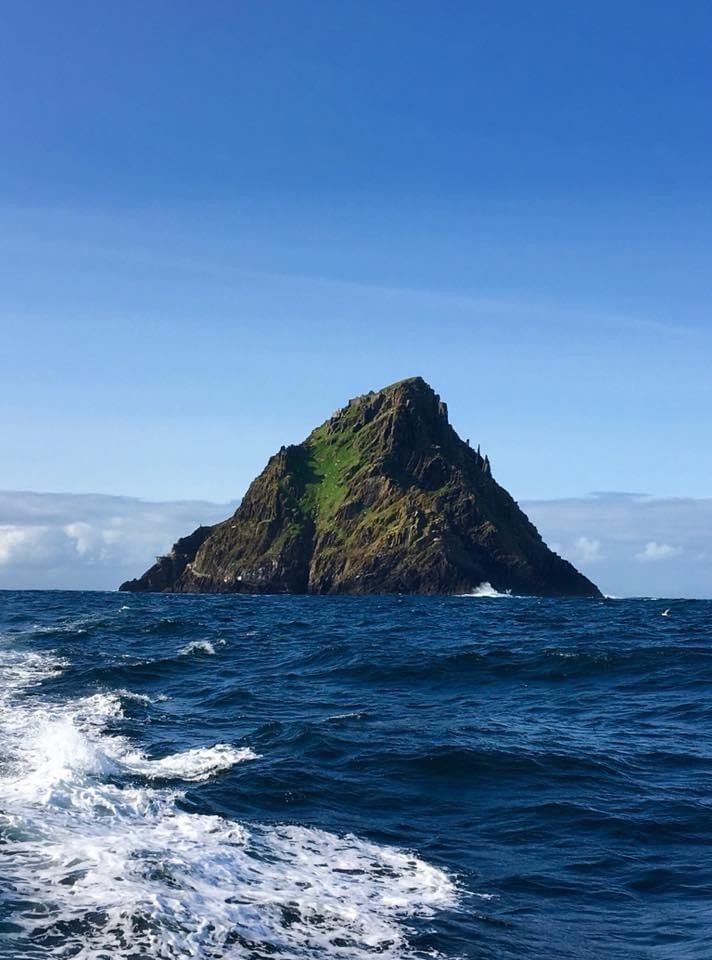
383 497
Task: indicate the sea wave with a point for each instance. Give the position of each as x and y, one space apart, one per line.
100 865
349 777
197 764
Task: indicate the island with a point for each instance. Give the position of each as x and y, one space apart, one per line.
384 497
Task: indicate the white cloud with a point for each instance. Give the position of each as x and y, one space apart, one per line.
89 541
624 524
657 551
12 543
587 550
86 538
27 545
11 538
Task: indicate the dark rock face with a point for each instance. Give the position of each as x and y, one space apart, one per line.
382 498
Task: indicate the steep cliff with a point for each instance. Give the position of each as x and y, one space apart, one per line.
383 497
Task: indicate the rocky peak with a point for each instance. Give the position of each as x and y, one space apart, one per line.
409 402
403 430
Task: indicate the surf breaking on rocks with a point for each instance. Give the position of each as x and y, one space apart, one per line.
100 860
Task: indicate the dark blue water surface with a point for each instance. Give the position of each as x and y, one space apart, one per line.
268 777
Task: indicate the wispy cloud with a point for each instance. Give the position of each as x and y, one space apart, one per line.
52 231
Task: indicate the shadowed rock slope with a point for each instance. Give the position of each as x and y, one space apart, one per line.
382 498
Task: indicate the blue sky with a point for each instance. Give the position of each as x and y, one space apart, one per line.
220 221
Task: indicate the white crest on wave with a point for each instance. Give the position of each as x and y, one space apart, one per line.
199 646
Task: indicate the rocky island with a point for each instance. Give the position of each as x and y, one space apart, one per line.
384 497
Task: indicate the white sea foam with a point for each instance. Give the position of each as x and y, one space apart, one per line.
199 646
102 870
198 764
486 590
141 697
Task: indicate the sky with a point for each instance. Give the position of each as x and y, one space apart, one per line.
221 221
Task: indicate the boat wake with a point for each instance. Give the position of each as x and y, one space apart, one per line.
102 858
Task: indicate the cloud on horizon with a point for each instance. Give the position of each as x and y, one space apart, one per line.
89 541
630 544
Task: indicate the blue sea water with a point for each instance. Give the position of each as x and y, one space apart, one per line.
394 777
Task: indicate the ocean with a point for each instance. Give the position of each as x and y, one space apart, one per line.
354 777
